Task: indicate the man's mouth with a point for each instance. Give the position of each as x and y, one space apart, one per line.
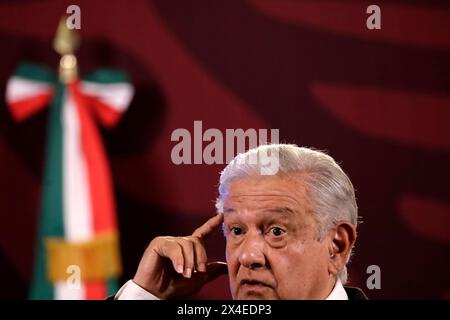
253 284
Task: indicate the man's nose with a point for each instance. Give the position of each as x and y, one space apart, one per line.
252 252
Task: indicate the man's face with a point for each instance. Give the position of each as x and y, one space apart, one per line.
271 245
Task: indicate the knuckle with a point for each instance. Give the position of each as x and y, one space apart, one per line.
156 243
155 240
186 243
197 241
160 240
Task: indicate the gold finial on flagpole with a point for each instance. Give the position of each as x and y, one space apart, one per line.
66 41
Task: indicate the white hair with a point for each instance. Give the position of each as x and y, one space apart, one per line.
329 189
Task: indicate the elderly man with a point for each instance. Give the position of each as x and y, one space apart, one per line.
289 234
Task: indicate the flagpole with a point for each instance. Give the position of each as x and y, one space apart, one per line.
66 42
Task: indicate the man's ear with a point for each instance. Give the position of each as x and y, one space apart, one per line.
343 237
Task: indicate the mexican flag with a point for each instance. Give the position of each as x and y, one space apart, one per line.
77 251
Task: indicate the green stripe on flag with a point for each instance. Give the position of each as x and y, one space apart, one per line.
111 286
51 219
31 71
107 76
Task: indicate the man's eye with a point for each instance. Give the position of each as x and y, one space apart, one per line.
236 231
276 231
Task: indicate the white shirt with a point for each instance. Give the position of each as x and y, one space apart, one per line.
131 291
338 292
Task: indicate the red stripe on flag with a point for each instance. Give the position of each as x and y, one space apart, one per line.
95 290
100 181
107 115
24 108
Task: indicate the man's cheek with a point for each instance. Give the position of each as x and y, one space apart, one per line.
228 254
232 282
232 263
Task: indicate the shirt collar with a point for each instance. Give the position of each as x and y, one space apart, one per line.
338 292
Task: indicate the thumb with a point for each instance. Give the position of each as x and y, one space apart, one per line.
215 270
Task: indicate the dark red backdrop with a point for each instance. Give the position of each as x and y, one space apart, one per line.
378 101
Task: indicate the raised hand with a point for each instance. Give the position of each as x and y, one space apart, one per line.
174 267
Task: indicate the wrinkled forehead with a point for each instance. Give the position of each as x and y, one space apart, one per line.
266 193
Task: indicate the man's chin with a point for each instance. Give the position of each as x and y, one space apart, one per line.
267 294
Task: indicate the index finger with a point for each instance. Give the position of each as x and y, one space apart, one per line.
209 226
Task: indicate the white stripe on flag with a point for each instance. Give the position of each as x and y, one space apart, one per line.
77 200
20 88
76 193
63 291
116 95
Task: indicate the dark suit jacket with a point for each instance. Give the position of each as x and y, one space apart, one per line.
355 293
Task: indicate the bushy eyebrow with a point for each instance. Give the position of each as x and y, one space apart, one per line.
282 210
228 210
